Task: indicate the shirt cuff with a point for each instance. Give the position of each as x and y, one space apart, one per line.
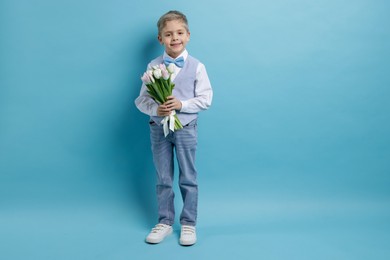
154 110
184 105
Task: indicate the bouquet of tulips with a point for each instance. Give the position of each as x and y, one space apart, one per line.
158 82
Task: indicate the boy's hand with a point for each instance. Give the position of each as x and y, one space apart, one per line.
165 109
173 103
162 110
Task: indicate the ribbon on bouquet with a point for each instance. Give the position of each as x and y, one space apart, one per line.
169 120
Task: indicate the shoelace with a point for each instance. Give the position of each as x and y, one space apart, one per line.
158 228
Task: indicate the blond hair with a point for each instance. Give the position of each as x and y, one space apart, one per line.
171 16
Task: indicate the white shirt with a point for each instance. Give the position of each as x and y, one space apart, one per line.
203 93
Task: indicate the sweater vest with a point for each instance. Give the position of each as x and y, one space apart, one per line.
184 89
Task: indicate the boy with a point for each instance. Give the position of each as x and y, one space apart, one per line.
192 93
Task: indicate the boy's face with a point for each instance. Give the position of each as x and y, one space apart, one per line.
175 37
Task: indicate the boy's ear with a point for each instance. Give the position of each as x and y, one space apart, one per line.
160 39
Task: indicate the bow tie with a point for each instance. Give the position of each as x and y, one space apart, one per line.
179 62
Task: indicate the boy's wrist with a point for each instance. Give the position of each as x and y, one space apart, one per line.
181 106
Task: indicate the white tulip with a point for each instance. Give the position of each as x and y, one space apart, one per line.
157 73
150 74
171 68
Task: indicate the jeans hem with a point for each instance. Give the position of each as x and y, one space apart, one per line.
188 224
166 223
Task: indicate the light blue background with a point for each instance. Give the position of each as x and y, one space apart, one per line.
293 156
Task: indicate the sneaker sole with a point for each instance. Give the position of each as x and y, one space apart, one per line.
156 241
187 243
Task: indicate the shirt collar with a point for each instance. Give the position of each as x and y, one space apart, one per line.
184 54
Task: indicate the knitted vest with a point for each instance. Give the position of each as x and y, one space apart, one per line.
184 89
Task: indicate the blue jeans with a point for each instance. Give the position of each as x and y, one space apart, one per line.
184 142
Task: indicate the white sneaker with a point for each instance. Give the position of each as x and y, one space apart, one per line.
158 233
187 235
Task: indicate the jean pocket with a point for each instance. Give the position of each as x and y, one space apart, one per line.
192 124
